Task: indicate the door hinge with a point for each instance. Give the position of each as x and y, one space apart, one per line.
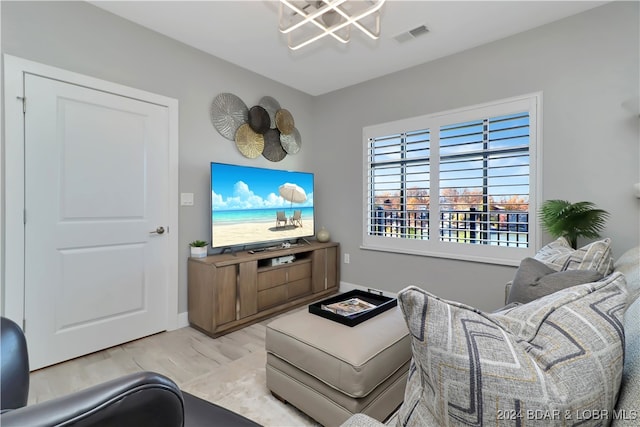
24 103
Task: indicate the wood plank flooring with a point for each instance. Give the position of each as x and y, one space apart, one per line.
229 370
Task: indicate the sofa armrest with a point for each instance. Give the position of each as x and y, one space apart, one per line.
628 404
142 398
362 420
14 366
507 290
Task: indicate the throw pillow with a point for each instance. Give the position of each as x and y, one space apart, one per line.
560 256
629 265
555 361
534 279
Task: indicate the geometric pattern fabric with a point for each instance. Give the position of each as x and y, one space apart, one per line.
555 361
560 256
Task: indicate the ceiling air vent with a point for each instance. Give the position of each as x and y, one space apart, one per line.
411 34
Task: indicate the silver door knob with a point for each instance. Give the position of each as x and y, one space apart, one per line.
159 230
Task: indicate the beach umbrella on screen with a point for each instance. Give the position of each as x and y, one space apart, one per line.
292 193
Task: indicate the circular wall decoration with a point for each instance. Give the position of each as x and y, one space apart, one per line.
284 121
271 106
259 119
228 113
249 143
272 148
292 142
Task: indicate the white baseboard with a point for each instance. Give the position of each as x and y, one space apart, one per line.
183 319
345 287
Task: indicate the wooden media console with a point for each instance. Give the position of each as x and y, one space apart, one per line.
232 290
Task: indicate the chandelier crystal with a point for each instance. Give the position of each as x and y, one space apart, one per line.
307 21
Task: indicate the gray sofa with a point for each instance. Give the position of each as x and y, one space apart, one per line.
609 298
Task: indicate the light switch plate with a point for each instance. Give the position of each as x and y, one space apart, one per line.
186 199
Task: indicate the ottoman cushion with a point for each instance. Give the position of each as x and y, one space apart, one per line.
353 360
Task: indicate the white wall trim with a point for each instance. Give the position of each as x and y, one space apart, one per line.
183 320
12 304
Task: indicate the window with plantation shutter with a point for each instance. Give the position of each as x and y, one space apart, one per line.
484 181
459 184
399 185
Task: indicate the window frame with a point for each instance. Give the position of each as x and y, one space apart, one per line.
502 255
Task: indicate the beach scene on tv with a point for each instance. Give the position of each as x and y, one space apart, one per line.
255 205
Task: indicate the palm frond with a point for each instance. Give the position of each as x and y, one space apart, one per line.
561 218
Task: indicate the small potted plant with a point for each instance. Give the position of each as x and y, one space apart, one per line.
572 220
198 249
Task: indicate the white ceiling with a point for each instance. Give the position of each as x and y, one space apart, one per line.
246 33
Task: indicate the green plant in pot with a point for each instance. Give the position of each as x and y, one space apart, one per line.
198 248
561 218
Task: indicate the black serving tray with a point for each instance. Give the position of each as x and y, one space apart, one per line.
383 304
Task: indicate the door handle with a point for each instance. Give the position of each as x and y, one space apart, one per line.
159 230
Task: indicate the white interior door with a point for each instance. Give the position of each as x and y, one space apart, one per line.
96 209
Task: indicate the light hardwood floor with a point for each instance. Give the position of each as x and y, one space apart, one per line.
229 370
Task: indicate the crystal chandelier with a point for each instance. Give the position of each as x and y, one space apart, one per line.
307 21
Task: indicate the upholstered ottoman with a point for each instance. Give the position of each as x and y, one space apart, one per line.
330 371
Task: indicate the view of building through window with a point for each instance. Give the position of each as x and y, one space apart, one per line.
480 176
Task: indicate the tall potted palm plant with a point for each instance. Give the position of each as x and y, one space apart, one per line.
572 220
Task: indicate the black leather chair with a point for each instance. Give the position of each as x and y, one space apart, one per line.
140 399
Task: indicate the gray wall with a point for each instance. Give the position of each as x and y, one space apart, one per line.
586 67
82 38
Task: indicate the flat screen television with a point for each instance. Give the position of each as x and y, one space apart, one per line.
252 205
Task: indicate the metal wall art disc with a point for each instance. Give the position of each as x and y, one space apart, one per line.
228 112
284 121
249 143
271 106
292 142
272 148
259 119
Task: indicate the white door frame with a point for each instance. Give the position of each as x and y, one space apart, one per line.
12 300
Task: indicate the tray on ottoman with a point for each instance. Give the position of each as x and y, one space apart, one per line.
380 302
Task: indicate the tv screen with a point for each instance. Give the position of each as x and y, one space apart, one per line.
251 205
